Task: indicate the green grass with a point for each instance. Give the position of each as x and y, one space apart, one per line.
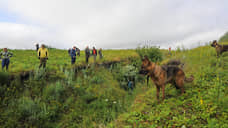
26 60
203 105
98 96
224 38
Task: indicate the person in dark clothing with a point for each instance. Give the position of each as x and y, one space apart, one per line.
94 53
73 55
6 58
78 51
37 46
69 51
87 54
130 85
100 53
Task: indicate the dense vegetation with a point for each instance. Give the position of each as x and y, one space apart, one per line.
205 103
98 96
224 38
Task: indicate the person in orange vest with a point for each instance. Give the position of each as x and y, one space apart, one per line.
170 51
94 53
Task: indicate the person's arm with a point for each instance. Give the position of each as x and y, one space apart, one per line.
71 52
11 54
47 53
38 53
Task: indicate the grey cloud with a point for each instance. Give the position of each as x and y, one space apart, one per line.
120 23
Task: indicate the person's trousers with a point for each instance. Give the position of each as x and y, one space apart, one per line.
101 56
43 62
87 59
94 58
5 63
73 59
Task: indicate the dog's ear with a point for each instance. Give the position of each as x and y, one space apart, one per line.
146 58
215 42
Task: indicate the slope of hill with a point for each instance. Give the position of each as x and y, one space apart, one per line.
205 103
224 38
100 97
26 60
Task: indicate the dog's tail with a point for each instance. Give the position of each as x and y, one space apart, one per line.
190 79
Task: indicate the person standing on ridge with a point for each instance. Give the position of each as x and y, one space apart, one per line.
6 58
69 51
73 55
87 54
37 46
170 51
78 51
42 56
100 53
94 53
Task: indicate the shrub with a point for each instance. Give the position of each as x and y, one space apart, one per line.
53 92
3 78
153 53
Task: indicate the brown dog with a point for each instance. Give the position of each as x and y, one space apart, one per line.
175 63
219 48
164 75
169 63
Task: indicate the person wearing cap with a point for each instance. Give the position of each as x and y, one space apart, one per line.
87 54
43 56
6 58
73 55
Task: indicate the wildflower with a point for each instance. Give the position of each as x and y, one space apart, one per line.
201 101
114 102
183 126
106 100
77 86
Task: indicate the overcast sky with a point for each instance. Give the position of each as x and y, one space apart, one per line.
111 23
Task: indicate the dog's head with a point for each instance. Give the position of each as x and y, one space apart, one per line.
144 67
214 43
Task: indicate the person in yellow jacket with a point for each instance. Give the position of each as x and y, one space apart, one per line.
42 56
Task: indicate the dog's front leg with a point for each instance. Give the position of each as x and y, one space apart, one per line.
163 92
158 91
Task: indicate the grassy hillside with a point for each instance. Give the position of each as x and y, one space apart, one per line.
205 103
91 97
99 97
224 38
26 60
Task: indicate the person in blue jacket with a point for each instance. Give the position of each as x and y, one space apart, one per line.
73 55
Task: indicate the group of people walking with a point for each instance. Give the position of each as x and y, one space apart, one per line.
76 51
42 54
